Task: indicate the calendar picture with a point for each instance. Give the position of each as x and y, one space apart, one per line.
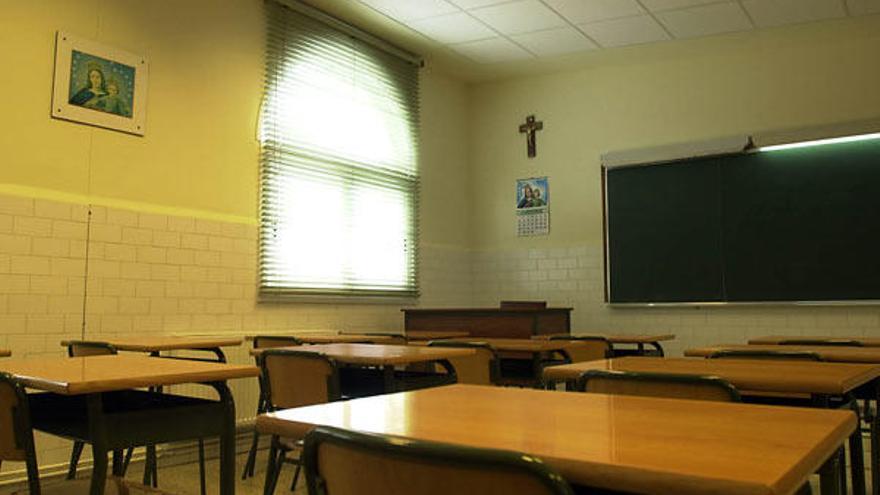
532 193
533 206
99 85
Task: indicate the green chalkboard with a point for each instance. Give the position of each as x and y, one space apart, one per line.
781 226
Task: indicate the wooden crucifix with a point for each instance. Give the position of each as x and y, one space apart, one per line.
529 129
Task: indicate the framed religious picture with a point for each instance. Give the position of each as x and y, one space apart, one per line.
99 85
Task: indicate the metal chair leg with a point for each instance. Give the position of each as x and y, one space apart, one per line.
74 459
250 465
296 476
127 460
151 477
252 457
271 477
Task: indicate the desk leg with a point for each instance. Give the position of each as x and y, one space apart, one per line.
856 451
227 440
829 476
875 444
95 407
118 462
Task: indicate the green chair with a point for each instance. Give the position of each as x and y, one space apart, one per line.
589 348
264 342
480 369
665 385
294 379
342 462
84 348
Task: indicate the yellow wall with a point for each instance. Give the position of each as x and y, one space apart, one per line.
168 220
200 150
644 96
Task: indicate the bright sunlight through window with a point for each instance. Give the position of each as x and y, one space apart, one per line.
339 133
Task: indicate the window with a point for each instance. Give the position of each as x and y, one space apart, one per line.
339 178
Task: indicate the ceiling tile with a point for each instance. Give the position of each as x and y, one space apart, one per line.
580 11
625 31
555 41
705 20
453 28
657 5
409 10
490 51
519 17
769 13
862 7
473 4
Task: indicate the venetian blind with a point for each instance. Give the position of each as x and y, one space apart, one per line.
339 176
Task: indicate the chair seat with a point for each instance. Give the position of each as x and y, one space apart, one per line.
290 443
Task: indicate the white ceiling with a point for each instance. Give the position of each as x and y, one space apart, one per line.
491 31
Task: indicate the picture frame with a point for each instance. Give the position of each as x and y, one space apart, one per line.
99 85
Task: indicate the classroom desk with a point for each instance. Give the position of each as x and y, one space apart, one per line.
639 340
838 354
157 345
775 339
91 399
361 358
822 381
330 338
632 444
426 335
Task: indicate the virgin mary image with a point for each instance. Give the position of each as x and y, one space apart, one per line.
102 85
94 87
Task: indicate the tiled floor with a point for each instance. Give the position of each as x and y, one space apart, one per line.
184 479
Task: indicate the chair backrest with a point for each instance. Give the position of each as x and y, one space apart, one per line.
825 342
483 368
296 378
667 385
761 354
588 347
83 348
270 341
341 462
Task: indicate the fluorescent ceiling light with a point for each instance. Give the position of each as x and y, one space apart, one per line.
821 142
